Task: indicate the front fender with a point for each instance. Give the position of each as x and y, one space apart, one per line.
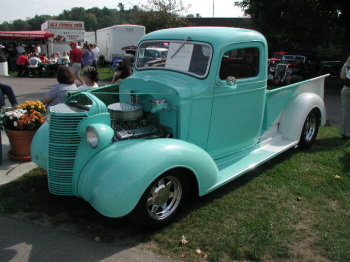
295 113
40 146
115 179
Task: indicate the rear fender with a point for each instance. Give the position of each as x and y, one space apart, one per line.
295 113
114 180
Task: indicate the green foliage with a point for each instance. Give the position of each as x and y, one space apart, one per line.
157 14
314 27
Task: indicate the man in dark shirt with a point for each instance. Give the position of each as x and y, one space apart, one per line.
75 60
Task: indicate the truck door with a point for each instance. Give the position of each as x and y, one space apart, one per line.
238 109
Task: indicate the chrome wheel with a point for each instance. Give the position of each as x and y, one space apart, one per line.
164 197
310 127
161 201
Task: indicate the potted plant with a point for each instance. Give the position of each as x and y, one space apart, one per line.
21 124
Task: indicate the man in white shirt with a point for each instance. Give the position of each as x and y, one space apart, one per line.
95 54
37 49
34 61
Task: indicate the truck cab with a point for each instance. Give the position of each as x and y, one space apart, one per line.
188 121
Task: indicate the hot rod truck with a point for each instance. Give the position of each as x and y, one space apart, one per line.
186 122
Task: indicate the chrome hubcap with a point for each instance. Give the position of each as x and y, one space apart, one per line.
310 127
164 197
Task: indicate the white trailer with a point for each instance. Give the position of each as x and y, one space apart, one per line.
90 37
111 40
64 32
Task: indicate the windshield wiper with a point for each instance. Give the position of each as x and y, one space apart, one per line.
181 46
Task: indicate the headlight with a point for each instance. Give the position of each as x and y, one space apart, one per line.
91 137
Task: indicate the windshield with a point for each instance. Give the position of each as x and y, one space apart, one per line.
184 56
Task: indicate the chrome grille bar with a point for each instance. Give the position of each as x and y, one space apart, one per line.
64 141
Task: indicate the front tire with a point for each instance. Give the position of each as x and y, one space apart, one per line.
310 129
161 201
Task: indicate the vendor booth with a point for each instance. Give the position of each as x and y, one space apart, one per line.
24 35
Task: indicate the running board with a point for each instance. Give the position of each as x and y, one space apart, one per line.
232 167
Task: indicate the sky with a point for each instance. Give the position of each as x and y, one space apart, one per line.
22 9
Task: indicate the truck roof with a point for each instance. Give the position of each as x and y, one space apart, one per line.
214 35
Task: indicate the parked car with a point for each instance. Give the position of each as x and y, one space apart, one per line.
277 71
277 57
330 67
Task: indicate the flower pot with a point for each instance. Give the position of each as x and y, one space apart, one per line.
20 142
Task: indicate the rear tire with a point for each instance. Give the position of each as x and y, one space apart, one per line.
310 129
161 201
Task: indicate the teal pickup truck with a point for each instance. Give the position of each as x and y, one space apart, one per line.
186 122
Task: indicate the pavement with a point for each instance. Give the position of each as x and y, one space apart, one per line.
22 241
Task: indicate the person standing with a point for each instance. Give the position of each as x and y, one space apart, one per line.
75 61
87 55
96 50
20 49
94 56
37 49
345 100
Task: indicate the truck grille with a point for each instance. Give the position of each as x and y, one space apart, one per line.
63 145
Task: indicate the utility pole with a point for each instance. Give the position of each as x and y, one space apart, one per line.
213 7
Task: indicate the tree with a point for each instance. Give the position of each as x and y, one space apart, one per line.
159 14
5 26
319 27
19 25
90 22
75 14
36 22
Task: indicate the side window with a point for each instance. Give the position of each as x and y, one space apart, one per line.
240 63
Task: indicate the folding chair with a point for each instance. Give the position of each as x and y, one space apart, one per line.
115 63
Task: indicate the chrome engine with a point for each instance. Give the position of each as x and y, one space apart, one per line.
129 121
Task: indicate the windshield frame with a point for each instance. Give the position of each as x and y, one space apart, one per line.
186 55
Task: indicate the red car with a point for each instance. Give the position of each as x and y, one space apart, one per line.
277 57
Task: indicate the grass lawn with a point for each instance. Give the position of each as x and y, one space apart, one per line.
293 208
